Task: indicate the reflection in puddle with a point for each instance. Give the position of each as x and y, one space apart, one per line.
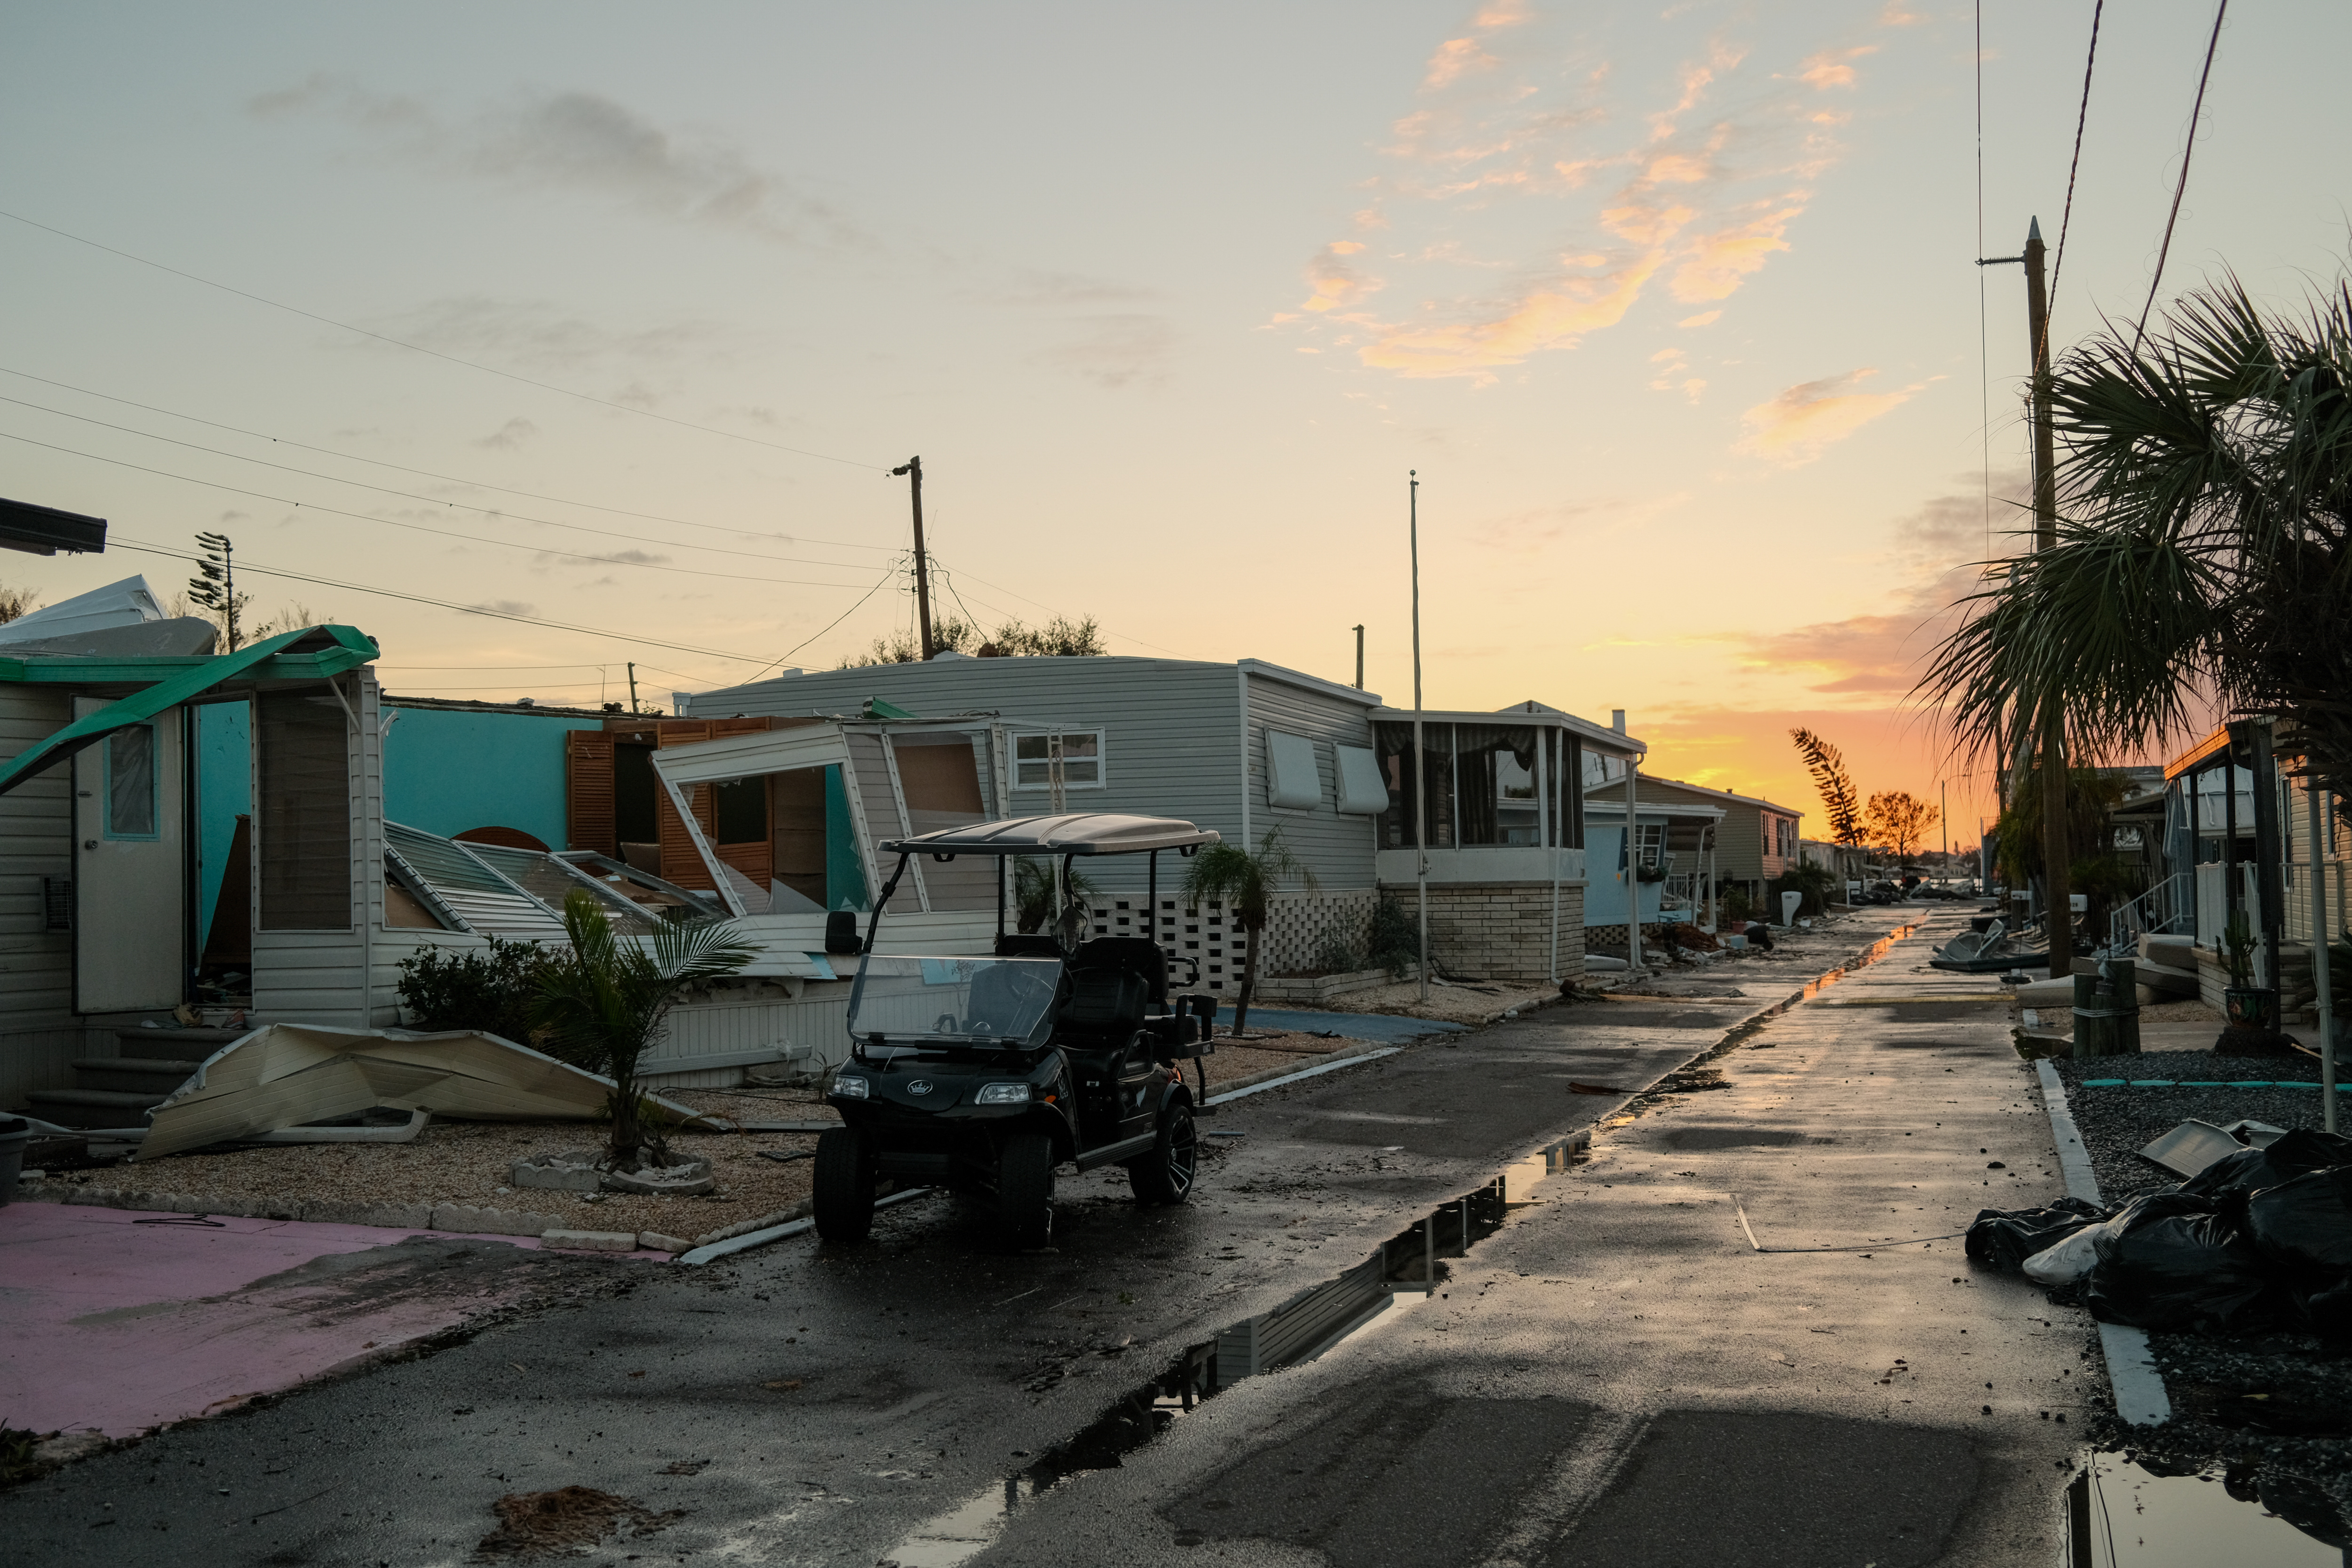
2139 1513
1400 1275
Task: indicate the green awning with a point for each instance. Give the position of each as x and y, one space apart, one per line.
176 681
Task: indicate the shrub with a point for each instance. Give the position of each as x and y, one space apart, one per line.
1817 884
490 989
1393 939
1338 953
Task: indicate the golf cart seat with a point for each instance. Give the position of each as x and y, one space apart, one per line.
1136 955
1033 944
1104 1009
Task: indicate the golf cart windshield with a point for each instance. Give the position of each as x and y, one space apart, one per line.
957 1001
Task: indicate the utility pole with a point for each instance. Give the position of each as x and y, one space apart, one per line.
2058 916
2055 852
633 687
1359 658
914 470
1420 771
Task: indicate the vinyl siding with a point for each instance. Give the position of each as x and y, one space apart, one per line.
1172 730
1340 848
1742 852
36 841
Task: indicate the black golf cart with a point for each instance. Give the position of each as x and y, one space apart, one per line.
985 1074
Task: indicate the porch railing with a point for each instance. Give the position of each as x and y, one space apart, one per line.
2163 909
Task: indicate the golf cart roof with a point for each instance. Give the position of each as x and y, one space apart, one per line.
1078 833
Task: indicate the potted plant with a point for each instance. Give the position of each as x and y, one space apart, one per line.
2251 1007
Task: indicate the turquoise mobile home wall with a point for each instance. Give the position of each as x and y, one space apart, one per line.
444 770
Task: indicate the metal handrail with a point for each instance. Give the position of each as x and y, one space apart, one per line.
2154 912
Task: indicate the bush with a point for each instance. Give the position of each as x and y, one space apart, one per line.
1737 904
1817 884
490 989
1338 953
1393 939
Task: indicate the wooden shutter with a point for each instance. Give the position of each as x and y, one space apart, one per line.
589 822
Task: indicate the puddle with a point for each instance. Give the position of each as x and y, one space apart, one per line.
1402 1274
2135 1512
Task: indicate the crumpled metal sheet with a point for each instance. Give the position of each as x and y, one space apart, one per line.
286 1075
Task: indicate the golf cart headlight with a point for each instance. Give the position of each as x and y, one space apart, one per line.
1003 1094
851 1087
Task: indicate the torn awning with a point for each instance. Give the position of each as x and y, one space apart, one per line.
346 649
290 1075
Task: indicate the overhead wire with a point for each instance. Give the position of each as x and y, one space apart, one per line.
2082 118
2196 113
415 526
424 473
123 541
412 495
436 353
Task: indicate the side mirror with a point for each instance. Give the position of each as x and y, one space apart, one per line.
841 933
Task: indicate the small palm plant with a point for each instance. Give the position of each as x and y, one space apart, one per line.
603 1002
1245 883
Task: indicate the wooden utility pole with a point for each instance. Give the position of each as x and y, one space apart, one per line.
914 470
632 689
2056 854
1359 658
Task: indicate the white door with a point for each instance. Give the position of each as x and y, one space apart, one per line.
130 867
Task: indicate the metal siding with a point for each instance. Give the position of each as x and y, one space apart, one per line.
36 841
1169 729
1339 849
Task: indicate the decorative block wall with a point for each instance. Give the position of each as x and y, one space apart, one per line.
1296 923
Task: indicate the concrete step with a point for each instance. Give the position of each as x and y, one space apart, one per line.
92 1107
177 1043
132 1075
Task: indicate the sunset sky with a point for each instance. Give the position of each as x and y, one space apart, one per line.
1672 308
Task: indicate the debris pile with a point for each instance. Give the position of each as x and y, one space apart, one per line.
2257 1239
543 1524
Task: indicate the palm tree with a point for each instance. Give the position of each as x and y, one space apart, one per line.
2204 552
1245 883
603 1002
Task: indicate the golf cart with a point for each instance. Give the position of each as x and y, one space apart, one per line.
985 1074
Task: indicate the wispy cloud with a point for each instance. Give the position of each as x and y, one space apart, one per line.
582 142
1526 142
1812 416
509 436
1116 351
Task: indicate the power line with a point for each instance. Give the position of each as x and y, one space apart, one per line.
127 544
413 527
2082 117
2196 112
412 495
436 353
828 627
1984 336
426 473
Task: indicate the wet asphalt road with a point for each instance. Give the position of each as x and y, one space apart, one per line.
812 1404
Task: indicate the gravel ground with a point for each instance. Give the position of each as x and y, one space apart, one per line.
2249 1401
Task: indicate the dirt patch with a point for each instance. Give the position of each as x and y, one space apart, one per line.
565 1521
467 1163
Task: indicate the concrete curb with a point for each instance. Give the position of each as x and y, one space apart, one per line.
2140 1396
1282 1076
750 1239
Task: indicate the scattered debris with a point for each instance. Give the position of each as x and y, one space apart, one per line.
545 1524
289 1075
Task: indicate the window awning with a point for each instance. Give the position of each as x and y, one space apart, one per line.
333 650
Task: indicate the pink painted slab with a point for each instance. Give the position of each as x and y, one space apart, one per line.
117 1327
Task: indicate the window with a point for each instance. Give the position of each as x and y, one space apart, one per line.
1080 754
1364 792
130 783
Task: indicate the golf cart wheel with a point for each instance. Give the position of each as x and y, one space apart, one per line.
1025 1190
1165 1175
844 1185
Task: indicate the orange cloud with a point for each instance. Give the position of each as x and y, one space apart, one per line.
1703 319
1829 69
1335 284
1720 262
1553 316
1812 416
1454 58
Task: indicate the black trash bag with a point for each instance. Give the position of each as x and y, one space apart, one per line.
2171 1262
2326 1311
2304 1225
2005 1238
2250 1170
